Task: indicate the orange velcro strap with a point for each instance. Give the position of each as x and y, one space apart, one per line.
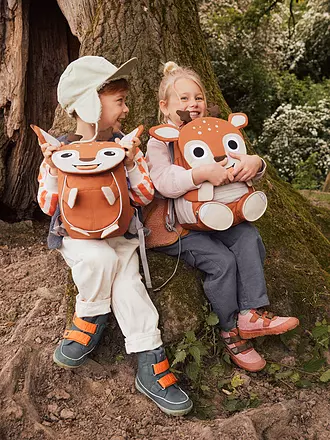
84 326
167 380
161 367
74 335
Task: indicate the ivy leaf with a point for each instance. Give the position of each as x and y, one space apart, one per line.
212 319
325 377
313 365
196 354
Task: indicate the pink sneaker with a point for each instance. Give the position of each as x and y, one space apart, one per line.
255 323
242 352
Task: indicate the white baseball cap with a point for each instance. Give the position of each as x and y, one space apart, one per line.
80 82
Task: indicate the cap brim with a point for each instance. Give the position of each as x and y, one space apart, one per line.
123 71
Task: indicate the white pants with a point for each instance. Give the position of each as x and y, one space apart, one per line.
106 273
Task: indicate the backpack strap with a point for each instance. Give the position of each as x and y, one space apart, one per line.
170 222
170 217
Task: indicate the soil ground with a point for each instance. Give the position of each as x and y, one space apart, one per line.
38 400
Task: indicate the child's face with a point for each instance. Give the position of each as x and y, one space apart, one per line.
184 95
114 110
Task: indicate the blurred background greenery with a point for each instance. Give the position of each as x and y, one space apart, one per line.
272 61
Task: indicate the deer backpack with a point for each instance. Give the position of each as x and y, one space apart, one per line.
92 186
204 141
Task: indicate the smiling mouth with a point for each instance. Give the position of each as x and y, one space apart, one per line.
87 167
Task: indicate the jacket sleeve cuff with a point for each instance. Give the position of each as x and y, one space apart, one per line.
135 176
51 182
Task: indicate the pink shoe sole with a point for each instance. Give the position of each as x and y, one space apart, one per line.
286 326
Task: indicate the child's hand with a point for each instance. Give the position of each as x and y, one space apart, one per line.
131 152
247 168
47 151
214 173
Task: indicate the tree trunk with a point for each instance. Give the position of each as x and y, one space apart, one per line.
326 186
155 31
38 48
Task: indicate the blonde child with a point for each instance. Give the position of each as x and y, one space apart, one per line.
106 272
232 259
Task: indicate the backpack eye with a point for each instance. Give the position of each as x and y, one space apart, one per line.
66 155
235 143
109 153
198 152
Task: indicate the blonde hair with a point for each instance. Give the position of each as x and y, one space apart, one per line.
172 72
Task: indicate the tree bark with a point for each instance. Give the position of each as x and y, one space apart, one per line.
36 38
157 31
326 186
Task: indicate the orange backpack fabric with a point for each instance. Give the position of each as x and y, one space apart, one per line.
205 141
92 186
93 205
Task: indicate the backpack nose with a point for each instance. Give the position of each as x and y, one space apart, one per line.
86 159
220 158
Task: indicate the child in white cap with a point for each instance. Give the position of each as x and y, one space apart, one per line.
106 272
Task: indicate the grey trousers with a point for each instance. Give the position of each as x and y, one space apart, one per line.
233 264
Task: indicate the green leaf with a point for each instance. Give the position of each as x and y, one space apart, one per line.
295 377
325 377
190 336
313 365
303 383
236 381
180 356
226 358
283 374
205 388
273 368
196 354
319 331
212 319
231 405
192 371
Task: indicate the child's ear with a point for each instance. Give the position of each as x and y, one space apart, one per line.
238 120
164 132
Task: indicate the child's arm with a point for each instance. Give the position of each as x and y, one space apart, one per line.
48 190
249 167
141 190
170 180
173 181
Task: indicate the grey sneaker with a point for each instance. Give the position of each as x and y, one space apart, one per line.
155 381
80 340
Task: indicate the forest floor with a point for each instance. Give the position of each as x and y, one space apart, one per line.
38 400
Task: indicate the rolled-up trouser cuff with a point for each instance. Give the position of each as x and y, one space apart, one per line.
95 308
143 342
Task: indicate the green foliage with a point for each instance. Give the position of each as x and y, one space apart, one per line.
312 366
308 174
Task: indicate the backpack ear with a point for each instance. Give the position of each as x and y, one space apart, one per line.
238 120
165 132
44 137
128 137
